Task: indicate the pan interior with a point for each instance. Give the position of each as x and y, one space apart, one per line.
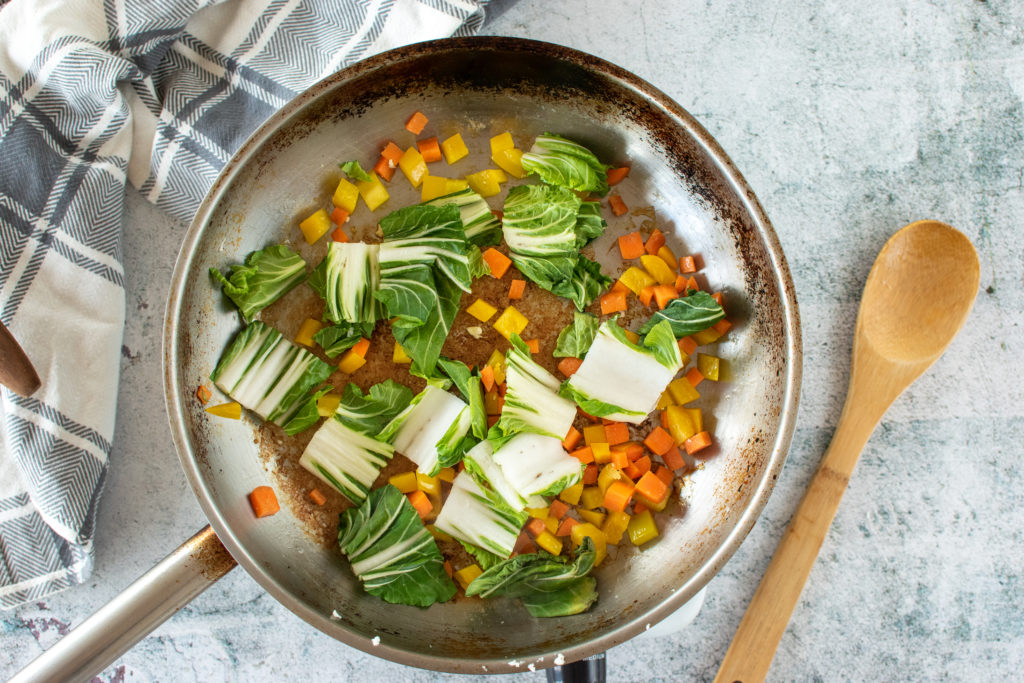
480 88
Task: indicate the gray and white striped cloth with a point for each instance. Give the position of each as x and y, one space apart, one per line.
94 93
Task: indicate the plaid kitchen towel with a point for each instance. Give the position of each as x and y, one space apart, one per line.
159 93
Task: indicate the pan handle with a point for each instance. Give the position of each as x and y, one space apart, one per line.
125 620
589 670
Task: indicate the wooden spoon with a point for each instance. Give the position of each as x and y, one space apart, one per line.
916 299
16 371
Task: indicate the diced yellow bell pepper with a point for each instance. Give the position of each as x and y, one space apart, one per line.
454 148
481 310
413 166
399 356
707 336
549 542
306 331
594 434
483 183
680 423
438 534
350 362
641 528
551 524
669 257
588 530
231 410
455 185
372 192
614 526
602 452
433 187
697 418
447 474
708 366
658 270
631 336
595 517
609 475
538 513
571 494
510 161
497 363
316 226
636 279
591 498
492 406
510 322
682 392
664 401
428 484
328 404
499 143
405 482
346 196
466 575
496 174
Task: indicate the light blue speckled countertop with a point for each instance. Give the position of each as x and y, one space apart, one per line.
849 120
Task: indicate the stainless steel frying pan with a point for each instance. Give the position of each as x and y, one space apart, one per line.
479 86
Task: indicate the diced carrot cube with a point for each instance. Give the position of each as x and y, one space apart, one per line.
497 262
697 442
620 286
721 327
421 502
659 441
565 528
384 168
613 302
616 433
687 264
264 501
416 123
585 455
687 345
557 509
338 235
571 439
516 288
339 216
317 497
487 377
569 365
631 246
618 206
617 496
694 377
430 149
590 475
663 294
616 175
533 345
203 394
665 474
536 526
361 347
619 459
680 284
719 298
646 294
655 242
392 153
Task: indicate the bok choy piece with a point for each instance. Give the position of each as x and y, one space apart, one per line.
532 403
565 163
425 267
687 315
268 374
391 551
344 452
339 338
430 431
307 414
480 462
471 388
547 585
266 276
477 515
346 280
621 380
537 465
575 338
545 227
345 459
480 225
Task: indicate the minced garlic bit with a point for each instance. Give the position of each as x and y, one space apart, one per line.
475 331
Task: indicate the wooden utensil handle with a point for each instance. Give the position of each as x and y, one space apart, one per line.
753 646
16 371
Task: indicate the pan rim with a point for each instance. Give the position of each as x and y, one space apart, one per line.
730 174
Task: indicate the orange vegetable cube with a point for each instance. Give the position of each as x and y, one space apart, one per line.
694 377
687 345
659 441
384 168
616 175
421 502
590 475
536 526
631 246
617 205
646 294
430 149
487 377
665 474
392 153
687 264
663 294
571 439
533 345
616 433
619 459
617 496
203 394
613 302
264 501
697 442
339 216
317 497
361 347
557 509
565 528
569 365
586 456
497 262
416 123
655 242
516 288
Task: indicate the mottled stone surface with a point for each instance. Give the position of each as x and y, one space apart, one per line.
849 120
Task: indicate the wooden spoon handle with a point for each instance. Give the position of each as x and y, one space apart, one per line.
16 371
753 646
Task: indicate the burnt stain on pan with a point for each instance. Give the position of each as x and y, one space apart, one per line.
543 87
